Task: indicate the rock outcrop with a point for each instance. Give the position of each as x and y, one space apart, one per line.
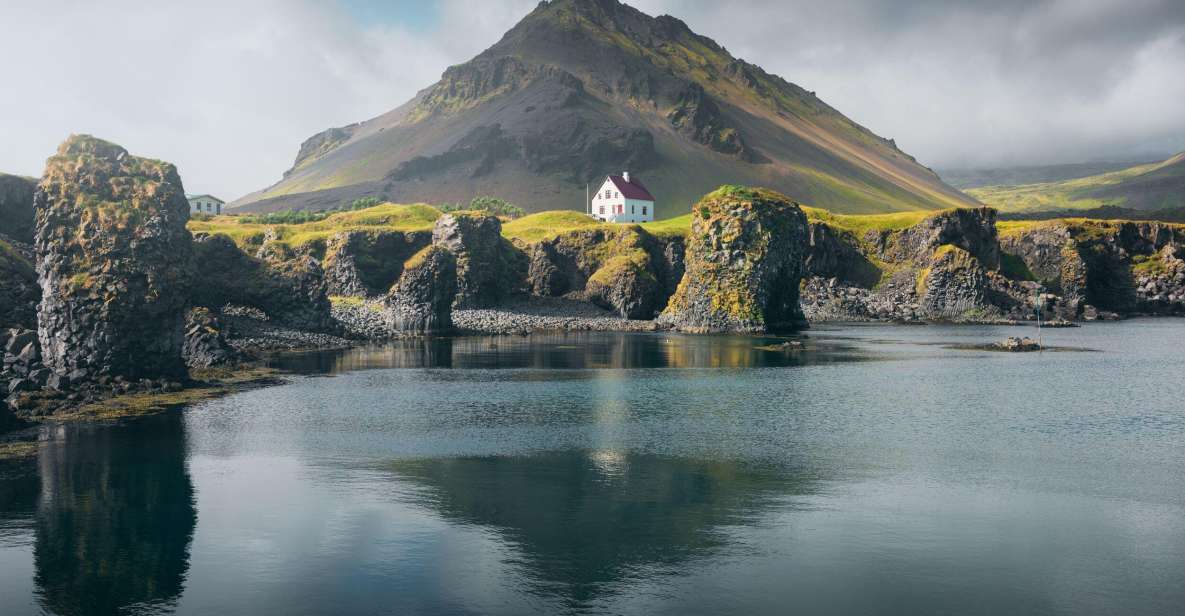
489 268
367 263
620 268
744 262
290 292
953 286
19 293
113 261
206 345
16 207
422 301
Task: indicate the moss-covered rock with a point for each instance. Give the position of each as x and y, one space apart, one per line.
744 262
489 268
291 292
19 292
421 301
206 345
619 267
953 285
114 262
367 263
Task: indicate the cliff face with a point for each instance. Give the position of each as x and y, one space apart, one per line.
291 291
957 266
624 269
16 207
744 261
19 293
113 262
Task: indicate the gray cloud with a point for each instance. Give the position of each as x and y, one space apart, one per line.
965 83
227 90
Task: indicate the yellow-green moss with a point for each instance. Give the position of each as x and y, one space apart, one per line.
547 225
214 382
386 217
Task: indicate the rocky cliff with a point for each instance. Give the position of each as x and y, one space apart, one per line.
290 290
959 266
621 268
113 262
421 302
489 268
16 207
19 292
744 262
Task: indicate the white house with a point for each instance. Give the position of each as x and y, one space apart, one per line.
622 199
205 204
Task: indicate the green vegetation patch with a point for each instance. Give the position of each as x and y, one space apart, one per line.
386 217
547 225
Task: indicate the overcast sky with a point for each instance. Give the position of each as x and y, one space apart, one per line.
227 90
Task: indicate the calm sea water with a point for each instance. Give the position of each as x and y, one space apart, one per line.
879 470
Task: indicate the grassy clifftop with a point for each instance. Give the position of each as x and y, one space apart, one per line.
385 217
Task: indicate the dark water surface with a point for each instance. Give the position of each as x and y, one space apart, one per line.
880 470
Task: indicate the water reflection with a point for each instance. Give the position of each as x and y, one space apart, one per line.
115 518
585 522
581 350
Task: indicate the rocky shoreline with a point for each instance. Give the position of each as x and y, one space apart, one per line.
105 292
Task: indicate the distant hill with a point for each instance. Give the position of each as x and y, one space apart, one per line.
1153 186
964 179
583 88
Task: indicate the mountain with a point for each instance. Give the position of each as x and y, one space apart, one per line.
964 179
582 88
1153 186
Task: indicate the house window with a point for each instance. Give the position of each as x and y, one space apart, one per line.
632 211
602 210
616 194
643 210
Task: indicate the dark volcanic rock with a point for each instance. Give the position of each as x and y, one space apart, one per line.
367 263
113 260
973 230
421 302
622 268
953 285
16 207
206 345
743 264
489 268
289 292
19 293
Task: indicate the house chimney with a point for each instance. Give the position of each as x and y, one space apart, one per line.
625 175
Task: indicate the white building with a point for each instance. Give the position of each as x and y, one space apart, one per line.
622 199
205 204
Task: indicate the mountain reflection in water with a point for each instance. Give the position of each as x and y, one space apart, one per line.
598 518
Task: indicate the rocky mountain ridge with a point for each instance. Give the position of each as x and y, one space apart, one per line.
581 88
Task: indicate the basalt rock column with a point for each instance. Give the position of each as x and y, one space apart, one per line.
421 301
489 268
113 262
743 264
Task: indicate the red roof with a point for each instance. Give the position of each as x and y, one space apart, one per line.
632 189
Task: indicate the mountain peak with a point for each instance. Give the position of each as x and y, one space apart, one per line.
580 88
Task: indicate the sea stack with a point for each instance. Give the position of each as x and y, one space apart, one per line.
113 262
744 261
